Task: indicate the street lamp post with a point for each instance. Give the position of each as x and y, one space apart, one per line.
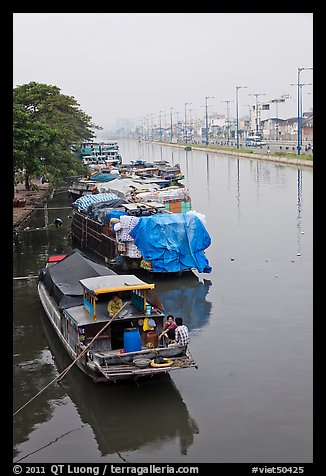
185 130
207 97
277 124
178 128
249 106
228 118
160 126
190 125
300 109
164 127
300 85
171 131
147 129
256 95
196 127
237 110
301 113
277 101
152 133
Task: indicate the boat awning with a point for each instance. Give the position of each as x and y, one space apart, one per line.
106 284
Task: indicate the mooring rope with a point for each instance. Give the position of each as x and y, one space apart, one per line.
66 370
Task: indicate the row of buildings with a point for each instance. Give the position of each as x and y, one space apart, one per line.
220 128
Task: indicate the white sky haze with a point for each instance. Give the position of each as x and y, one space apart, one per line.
129 65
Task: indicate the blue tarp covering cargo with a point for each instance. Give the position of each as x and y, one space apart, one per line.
104 177
86 200
173 242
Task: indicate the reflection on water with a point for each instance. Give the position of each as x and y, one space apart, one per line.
122 418
263 327
238 186
33 366
299 205
155 413
207 177
232 175
186 298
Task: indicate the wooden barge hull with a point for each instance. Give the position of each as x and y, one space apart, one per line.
164 243
93 236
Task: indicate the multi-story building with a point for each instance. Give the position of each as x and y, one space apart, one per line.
287 129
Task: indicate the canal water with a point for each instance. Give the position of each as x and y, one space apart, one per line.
250 322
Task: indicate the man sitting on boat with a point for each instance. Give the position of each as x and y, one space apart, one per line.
114 305
181 332
169 328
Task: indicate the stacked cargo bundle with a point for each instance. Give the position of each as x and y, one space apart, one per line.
175 199
143 234
85 201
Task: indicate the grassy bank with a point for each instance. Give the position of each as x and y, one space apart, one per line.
290 158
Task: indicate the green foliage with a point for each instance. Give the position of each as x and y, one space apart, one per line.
45 124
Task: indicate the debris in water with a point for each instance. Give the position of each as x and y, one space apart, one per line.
58 222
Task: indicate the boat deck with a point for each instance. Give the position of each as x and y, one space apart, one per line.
130 370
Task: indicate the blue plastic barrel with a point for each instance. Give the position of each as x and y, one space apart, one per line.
131 340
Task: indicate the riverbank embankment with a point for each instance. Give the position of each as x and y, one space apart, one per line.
269 158
37 196
28 200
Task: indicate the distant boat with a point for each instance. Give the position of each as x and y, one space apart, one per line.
160 172
92 152
89 185
74 292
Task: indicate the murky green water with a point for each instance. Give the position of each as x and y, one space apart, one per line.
250 324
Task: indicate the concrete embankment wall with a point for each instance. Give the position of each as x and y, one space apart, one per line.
270 158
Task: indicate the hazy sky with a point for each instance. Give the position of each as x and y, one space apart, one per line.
129 65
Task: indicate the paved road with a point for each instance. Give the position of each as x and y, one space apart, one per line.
283 147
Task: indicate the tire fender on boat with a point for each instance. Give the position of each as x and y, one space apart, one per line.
167 363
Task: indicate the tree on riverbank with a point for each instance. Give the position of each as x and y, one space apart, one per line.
45 124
